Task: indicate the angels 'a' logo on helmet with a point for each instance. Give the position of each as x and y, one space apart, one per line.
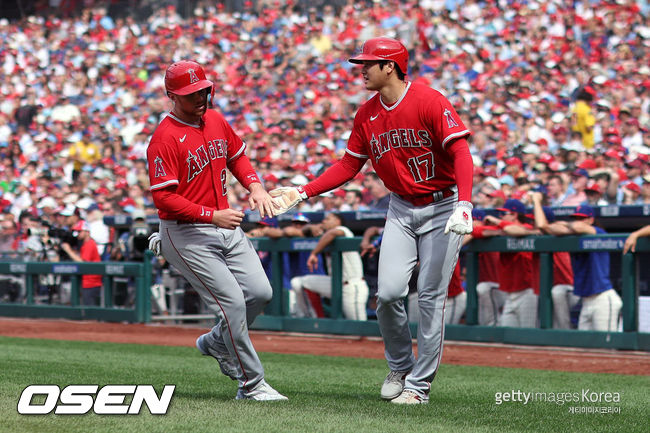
193 77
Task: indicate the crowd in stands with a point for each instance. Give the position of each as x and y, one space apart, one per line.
557 95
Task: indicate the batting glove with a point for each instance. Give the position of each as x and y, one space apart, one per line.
286 198
154 243
460 221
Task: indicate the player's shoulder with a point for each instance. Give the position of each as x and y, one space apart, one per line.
426 93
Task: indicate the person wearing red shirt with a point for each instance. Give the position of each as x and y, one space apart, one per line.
417 145
91 285
516 276
190 154
456 298
490 298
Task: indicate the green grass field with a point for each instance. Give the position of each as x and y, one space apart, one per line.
327 394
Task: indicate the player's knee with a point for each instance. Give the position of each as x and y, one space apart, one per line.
296 284
557 293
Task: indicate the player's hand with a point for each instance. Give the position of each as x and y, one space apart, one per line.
286 198
154 243
227 218
260 199
630 243
312 262
460 221
367 248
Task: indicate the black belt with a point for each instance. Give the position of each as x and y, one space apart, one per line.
432 197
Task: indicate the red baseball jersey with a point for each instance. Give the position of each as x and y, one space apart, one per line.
406 141
194 159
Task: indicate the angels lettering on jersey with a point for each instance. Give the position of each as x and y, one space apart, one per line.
196 160
396 138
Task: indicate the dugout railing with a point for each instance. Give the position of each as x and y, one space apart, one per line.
277 317
27 304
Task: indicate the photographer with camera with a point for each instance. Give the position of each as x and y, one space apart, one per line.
91 285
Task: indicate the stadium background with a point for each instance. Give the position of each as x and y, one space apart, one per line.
92 70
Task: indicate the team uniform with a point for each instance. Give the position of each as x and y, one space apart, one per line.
354 293
410 145
490 298
562 290
456 298
187 171
516 279
601 304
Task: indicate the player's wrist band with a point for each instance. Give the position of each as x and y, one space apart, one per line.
301 191
466 204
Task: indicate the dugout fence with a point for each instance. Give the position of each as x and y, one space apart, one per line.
277 317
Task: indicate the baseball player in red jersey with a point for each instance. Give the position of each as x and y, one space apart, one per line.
516 276
200 235
417 145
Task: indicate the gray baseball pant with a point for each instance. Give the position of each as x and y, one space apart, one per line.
410 233
223 267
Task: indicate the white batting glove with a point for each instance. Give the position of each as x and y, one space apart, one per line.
286 198
460 221
154 243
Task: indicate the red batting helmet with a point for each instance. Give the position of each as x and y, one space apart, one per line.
383 49
185 77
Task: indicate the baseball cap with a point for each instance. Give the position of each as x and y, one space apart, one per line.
478 214
584 211
268 221
68 210
632 186
580 172
513 205
300 217
497 193
79 226
593 186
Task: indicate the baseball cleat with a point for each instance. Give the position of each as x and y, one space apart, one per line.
226 363
410 397
394 384
262 392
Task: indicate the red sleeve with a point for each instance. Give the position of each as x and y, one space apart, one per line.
166 199
463 168
479 231
342 171
504 224
242 169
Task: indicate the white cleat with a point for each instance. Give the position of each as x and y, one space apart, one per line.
394 384
410 397
262 392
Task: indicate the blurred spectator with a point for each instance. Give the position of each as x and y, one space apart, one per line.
83 153
576 191
91 285
380 195
584 120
